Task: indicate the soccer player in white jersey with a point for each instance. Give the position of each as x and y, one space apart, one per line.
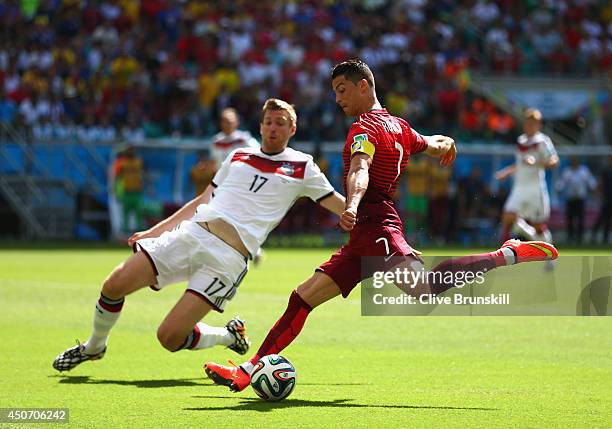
225 141
209 240
527 208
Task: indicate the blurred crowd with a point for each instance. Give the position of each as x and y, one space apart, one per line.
130 69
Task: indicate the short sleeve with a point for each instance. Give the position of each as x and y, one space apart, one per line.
360 140
316 185
223 171
418 143
548 149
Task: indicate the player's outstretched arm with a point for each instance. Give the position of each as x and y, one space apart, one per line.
442 147
505 172
335 203
184 213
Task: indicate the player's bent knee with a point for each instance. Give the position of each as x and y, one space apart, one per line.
113 286
317 289
305 287
169 339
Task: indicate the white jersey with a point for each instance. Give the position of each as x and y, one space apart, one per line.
254 191
529 177
223 144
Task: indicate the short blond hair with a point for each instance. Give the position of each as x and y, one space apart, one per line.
229 111
277 104
533 113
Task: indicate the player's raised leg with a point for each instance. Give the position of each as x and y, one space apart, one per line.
318 289
511 252
134 273
508 219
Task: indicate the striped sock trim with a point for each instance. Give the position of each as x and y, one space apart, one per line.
112 305
192 339
195 334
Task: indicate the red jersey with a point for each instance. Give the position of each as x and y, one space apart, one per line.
379 232
389 141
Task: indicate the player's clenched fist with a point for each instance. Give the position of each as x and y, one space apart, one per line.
348 218
443 147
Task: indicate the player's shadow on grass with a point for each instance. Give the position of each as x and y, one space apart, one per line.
255 404
177 382
334 384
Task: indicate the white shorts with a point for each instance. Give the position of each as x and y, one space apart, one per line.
530 204
212 267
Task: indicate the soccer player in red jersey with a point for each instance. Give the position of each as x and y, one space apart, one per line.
375 154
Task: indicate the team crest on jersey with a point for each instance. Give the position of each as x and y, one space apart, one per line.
287 169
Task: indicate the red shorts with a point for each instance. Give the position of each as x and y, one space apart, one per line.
346 266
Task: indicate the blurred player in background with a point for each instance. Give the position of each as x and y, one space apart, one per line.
208 242
375 154
527 208
230 137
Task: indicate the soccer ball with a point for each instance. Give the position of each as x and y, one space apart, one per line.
273 378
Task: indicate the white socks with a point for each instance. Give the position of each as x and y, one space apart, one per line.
545 236
205 336
105 316
522 227
247 366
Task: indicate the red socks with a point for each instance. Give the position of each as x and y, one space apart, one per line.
286 329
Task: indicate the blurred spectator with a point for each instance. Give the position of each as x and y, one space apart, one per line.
128 173
178 64
201 173
605 215
8 108
32 109
64 129
87 132
576 183
105 131
133 132
42 131
416 198
473 195
439 192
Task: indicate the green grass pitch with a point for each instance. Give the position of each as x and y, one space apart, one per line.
353 371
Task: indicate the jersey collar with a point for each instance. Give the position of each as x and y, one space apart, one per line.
271 153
